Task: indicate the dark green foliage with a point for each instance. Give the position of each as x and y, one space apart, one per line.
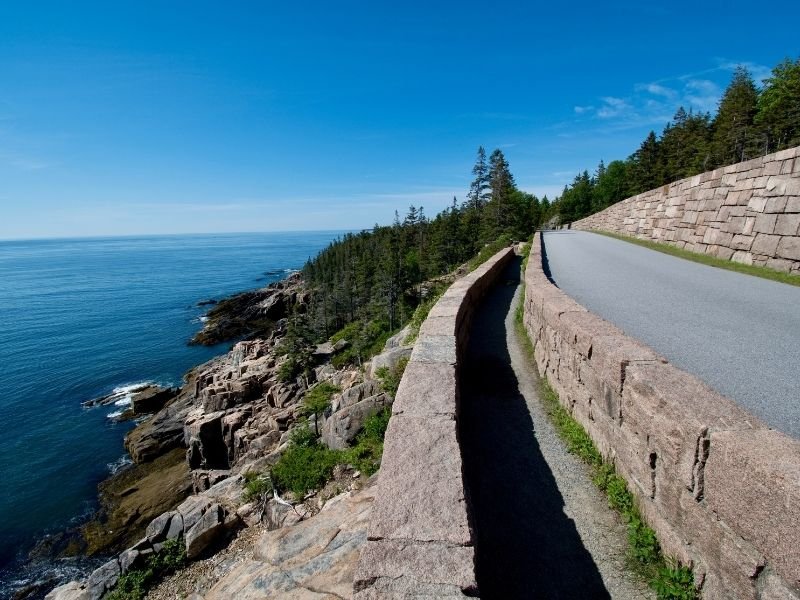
303 468
421 313
778 116
375 278
675 582
734 131
317 400
366 340
297 346
366 454
749 123
134 584
390 379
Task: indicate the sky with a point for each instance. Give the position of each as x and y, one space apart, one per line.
127 118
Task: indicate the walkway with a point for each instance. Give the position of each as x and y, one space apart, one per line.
543 530
738 333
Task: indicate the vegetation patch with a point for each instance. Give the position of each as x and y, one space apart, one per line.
421 313
366 339
135 584
317 400
488 251
670 580
390 378
367 453
705 259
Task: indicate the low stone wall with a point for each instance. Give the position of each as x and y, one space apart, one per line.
721 490
748 212
420 541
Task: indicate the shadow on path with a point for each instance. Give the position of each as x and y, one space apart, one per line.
526 546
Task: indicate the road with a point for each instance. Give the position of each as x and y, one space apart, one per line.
543 530
739 334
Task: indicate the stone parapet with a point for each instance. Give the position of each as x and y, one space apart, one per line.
420 541
721 489
748 212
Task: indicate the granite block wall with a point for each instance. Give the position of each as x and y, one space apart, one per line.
721 489
748 212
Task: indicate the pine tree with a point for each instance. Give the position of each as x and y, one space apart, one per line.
779 108
479 194
735 137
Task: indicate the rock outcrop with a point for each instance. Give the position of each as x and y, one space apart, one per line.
252 313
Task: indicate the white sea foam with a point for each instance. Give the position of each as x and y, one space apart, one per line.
203 319
115 414
119 464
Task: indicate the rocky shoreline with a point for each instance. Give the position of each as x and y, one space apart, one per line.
232 417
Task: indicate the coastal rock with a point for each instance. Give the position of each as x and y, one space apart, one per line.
355 394
103 579
157 529
205 531
398 339
73 590
252 313
342 426
389 359
160 434
151 399
319 554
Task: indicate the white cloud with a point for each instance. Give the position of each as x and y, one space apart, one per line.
579 110
613 107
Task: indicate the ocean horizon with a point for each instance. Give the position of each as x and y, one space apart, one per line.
85 317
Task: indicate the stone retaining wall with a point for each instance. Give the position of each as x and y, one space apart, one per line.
748 212
420 542
721 490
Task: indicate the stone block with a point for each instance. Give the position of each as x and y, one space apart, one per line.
765 223
765 244
752 481
787 224
435 348
420 493
789 247
428 563
775 205
427 389
757 204
793 202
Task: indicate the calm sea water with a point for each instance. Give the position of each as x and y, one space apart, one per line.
81 318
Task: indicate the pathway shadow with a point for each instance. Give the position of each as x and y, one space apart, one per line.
526 546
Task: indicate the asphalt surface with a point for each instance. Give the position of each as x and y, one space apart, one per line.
542 528
739 334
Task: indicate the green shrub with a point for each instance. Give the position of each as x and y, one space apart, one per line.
134 584
488 251
304 468
317 400
303 436
675 583
421 313
366 340
366 454
390 378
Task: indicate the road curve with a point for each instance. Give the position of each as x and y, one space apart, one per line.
740 334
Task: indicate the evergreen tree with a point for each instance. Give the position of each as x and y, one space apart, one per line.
735 137
779 107
479 194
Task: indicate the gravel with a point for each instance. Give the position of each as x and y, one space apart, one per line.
543 529
738 333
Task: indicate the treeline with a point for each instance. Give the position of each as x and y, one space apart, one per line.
749 122
374 278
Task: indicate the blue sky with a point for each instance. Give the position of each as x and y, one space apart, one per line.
172 117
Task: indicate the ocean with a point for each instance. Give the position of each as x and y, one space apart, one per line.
81 318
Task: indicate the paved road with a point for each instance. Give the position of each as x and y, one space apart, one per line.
739 334
543 530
